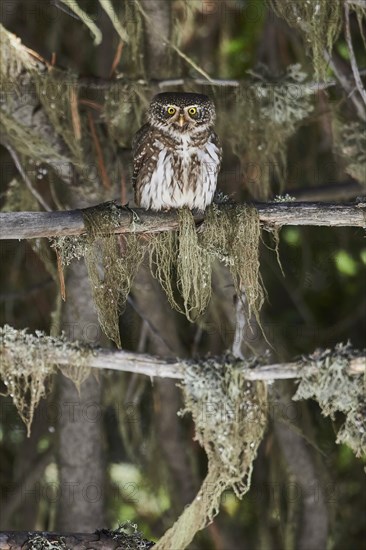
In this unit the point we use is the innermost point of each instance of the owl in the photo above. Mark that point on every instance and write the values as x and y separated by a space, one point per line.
176 154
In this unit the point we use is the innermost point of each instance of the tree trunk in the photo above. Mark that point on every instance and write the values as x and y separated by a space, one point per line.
80 457
158 26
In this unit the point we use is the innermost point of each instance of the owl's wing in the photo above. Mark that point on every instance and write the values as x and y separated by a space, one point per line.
216 141
142 150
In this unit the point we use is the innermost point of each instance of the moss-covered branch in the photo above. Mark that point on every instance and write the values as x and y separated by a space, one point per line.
30 225
103 540
65 354
155 366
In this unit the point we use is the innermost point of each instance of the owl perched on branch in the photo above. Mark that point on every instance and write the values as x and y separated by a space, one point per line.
177 155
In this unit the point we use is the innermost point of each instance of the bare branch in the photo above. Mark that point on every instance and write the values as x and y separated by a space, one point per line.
346 85
355 70
361 3
104 84
241 321
31 225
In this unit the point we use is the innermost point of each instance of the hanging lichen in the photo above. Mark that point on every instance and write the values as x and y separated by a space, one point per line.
350 143
232 235
13 58
264 115
111 263
183 264
19 72
230 418
337 391
23 370
181 261
58 94
27 361
26 141
320 21
123 108
18 198
70 248
229 413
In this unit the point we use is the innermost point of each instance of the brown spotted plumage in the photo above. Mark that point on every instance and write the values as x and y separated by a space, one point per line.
176 154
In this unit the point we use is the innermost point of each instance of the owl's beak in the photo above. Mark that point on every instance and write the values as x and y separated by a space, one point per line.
181 121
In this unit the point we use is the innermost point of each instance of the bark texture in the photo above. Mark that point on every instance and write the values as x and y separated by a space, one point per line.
314 525
158 26
81 504
30 225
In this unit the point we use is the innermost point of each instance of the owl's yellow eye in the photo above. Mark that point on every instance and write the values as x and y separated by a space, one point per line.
192 111
171 111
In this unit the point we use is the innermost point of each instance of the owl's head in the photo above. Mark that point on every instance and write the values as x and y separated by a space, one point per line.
181 112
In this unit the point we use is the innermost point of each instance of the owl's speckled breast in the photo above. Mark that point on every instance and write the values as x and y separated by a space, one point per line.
183 175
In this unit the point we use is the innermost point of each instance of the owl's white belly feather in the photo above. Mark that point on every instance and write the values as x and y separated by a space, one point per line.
186 176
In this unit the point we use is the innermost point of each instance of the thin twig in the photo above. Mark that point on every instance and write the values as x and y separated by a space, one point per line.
354 66
117 58
92 104
360 3
172 45
109 9
61 276
26 180
75 117
101 165
241 321
155 333
343 80
123 189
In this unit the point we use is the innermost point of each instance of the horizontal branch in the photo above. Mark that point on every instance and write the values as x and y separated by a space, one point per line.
150 365
30 225
100 540
105 84
61 352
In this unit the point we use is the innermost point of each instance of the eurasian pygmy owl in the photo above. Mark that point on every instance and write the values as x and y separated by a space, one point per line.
176 154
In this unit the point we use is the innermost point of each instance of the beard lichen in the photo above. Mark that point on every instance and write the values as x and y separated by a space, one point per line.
230 235
270 109
58 95
319 21
111 264
230 418
179 257
27 142
229 413
27 361
181 261
350 143
337 391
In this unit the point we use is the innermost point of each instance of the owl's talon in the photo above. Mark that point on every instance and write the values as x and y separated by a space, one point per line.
135 217
200 226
